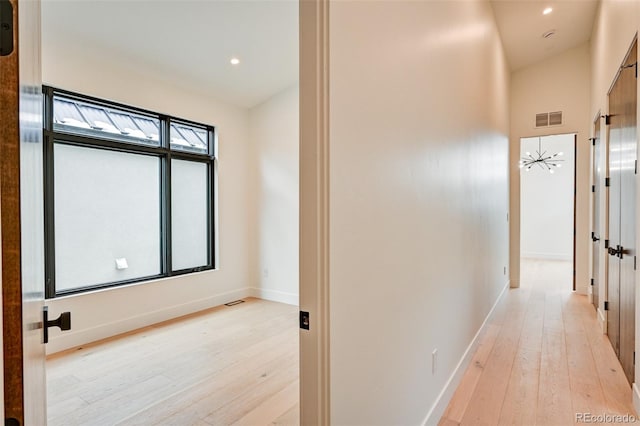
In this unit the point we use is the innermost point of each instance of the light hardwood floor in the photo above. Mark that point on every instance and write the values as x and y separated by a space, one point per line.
233 365
541 360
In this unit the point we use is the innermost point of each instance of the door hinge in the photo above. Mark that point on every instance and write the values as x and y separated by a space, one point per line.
606 305
606 244
633 65
592 281
607 119
607 182
635 263
304 320
593 188
634 357
635 170
593 141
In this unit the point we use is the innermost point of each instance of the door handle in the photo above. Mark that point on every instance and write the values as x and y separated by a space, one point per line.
618 251
63 322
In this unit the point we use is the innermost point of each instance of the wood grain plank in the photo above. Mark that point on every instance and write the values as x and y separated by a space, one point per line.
228 360
463 394
545 365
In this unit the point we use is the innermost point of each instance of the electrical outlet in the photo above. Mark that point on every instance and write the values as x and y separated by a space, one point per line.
434 361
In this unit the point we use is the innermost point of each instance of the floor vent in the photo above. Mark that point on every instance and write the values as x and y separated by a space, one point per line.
545 119
235 302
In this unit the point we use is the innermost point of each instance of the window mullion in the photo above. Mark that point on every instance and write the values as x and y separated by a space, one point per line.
165 198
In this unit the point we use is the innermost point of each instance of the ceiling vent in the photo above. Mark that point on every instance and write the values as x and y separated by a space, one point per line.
549 119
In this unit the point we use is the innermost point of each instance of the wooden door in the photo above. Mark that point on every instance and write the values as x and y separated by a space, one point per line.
595 230
628 107
21 220
613 276
622 252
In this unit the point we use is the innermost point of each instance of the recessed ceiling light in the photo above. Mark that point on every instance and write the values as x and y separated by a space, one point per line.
547 11
235 61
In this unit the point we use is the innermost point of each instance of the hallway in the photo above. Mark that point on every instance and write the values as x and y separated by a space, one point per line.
542 359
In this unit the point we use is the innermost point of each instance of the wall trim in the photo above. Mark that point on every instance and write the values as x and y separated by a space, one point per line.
71 339
276 295
546 256
636 397
439 407
602 321
315 356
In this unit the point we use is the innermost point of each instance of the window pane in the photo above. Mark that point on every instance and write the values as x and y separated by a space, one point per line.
66 113
189 213
104 122
188 138
107 207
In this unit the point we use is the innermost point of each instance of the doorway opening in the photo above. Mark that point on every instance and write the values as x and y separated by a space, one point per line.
547 203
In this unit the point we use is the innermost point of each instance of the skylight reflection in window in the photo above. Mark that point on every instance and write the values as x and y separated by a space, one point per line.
105 122
188 138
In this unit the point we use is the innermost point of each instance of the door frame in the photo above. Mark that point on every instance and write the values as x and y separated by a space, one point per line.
314 212
575 196
596 226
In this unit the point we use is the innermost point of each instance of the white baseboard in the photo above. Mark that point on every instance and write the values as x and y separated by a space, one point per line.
546 256
636 398
602 320
276 296
439 407
72 339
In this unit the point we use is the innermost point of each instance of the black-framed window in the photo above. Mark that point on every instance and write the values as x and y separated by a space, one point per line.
129 194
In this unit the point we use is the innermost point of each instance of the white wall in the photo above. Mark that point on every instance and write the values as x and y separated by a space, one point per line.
546 201
560 83
104 313
418 199
617 23
274 133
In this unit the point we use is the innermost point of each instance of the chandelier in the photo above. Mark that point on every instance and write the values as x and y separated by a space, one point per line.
541 159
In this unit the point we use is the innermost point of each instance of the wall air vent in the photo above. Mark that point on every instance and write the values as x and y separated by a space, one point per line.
555 118
542 120
549 119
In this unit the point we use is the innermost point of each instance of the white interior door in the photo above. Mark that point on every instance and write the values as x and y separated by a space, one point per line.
22 218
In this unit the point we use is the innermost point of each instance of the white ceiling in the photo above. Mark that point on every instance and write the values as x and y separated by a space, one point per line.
521 25
190 42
